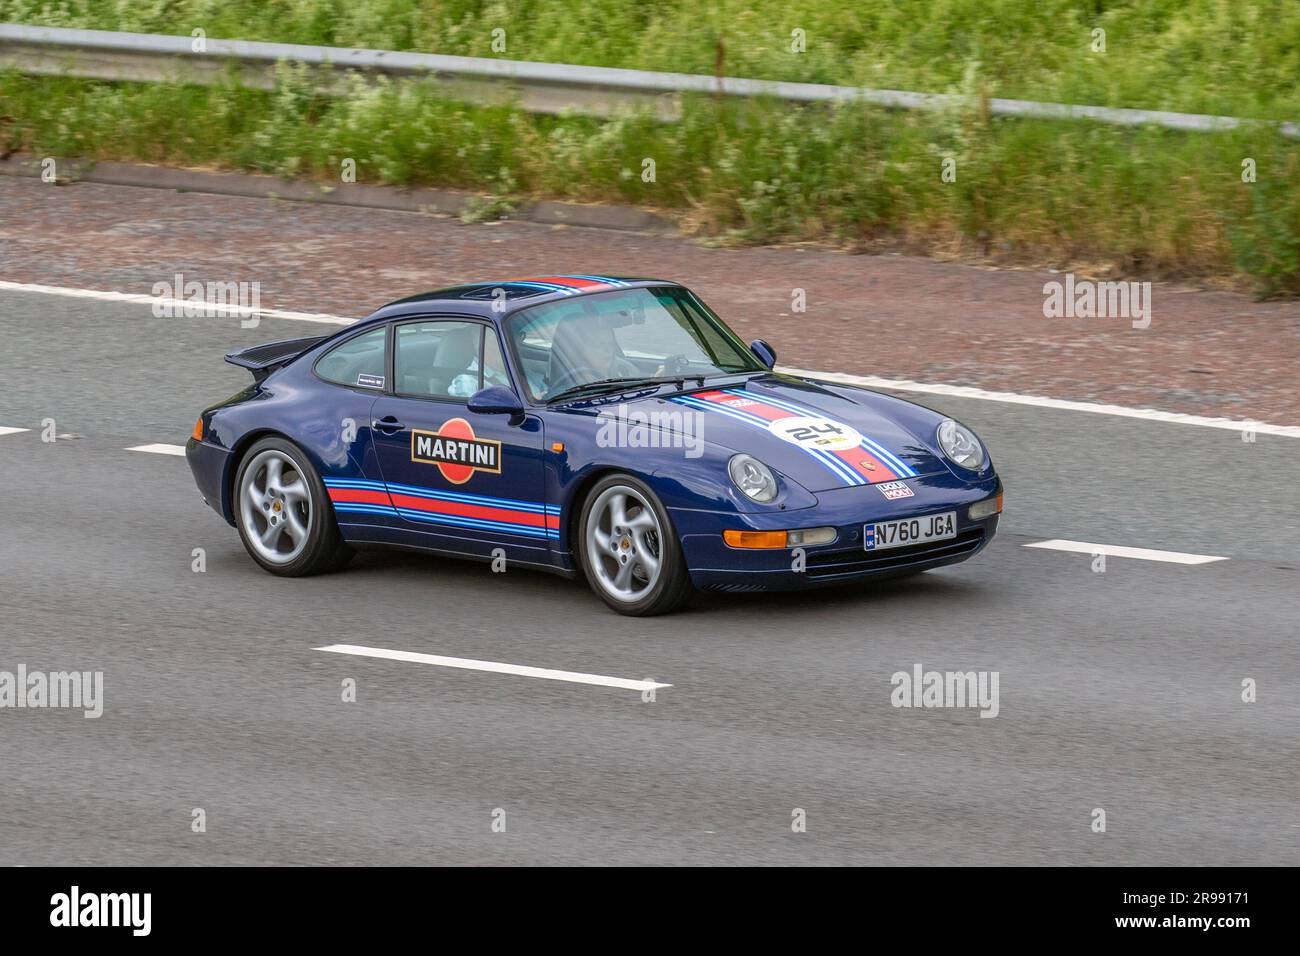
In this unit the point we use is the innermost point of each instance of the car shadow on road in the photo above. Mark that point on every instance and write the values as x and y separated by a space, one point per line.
455 570
895 594
870 594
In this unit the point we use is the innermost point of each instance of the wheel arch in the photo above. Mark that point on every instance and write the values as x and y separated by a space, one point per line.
577 500
235 459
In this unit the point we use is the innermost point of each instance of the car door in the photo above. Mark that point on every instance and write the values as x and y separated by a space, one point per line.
339 425
461 481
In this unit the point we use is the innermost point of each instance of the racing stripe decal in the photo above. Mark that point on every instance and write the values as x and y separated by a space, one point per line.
862 459
479 512
544 286
741 410
873 448
603 280
575 282
568 284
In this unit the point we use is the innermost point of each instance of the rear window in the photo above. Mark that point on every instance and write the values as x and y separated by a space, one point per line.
358 361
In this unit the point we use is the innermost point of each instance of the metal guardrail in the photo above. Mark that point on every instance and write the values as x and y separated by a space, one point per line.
537 87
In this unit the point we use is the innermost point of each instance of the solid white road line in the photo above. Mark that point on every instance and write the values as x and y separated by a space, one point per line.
10 430
492 667
1119 551
866 381
161 449
240 311
1038 401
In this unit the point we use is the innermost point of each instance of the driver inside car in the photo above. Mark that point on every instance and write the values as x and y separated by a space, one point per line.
459 353
466 383
585 351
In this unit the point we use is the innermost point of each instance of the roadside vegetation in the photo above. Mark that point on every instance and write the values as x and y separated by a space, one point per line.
1239 57
1071 194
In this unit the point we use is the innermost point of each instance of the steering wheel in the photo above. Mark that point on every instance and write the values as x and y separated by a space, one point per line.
574 376
676 364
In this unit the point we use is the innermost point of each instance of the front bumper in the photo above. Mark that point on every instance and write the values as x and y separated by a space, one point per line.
715 566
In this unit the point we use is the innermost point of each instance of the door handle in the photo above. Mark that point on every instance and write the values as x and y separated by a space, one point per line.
388 424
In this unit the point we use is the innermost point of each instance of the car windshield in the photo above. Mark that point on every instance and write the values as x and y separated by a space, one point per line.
628 335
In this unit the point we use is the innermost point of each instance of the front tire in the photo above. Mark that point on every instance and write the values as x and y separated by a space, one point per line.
283 511
629 550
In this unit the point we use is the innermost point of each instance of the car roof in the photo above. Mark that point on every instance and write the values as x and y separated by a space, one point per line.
479 298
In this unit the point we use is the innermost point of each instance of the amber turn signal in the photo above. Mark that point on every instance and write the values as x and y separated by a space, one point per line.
754 539
197 434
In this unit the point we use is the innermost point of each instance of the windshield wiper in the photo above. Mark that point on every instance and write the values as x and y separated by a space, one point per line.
615 385
701 379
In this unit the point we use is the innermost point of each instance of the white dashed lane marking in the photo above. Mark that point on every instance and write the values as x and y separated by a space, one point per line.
1119 551
178 450
493 667
10 430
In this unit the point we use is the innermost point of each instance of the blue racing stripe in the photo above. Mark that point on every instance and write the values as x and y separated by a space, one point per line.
548 286
475 523
358 483
438 494
514 504
836 466
367 509
605 279
833 462
480 524
903 469
888 457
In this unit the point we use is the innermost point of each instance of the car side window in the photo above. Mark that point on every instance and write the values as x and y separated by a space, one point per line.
358 361
438 359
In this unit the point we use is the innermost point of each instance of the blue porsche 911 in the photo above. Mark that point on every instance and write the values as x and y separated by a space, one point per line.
609 427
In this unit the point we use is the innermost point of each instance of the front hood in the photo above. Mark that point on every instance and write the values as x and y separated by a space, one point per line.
819 438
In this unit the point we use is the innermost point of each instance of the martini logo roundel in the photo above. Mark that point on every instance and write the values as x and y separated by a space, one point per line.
816 434
455 450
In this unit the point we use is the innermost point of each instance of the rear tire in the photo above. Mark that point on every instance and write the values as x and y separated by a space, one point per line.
629 550
283 512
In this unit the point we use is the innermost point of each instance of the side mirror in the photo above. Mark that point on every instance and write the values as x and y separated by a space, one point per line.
766 354
496 400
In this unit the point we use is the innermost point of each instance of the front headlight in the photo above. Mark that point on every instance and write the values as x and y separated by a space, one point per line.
752 477
960 445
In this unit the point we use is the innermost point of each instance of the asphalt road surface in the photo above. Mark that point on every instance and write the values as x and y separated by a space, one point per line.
1119 690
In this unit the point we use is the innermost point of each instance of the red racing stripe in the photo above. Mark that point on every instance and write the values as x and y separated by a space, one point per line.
459 509
359 496
859 459
866 464
568 281
752 405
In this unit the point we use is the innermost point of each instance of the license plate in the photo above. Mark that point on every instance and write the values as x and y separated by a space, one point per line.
907 531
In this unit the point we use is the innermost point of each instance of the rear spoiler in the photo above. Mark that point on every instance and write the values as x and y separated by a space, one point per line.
262 360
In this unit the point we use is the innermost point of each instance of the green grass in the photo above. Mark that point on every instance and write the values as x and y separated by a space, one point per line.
1131 201
1071 194
1240 57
